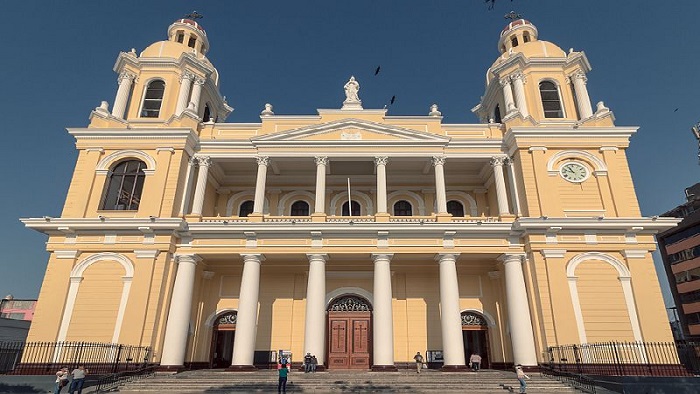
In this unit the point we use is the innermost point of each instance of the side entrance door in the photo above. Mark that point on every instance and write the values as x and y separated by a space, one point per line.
349 341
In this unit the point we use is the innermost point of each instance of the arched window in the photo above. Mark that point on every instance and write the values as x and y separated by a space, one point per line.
497 114
207 113
526 37
153 99
455 208
514 41
246 209
192 41
180 36
124 186
550 100
300 208
403 208
355 209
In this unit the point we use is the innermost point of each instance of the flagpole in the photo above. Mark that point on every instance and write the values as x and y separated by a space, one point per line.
349 199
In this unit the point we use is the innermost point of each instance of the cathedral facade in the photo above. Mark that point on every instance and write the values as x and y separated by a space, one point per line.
219 244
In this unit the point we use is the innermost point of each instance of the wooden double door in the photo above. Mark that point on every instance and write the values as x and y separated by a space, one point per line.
349 340
476 341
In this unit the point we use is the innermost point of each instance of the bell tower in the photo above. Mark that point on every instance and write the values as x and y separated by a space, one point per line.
168 80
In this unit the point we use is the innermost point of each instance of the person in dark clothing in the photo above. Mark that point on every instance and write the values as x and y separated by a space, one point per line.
314 363
282 384
307 363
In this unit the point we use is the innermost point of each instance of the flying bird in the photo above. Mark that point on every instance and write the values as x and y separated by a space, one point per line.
393 98
377 70
675 110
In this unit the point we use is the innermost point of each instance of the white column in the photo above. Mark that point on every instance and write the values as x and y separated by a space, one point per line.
259 202
380 162
582 99
185 85
501 194
513 185
519 86
519 320
126 79
315 324
320 205
441 192
198 203
191 164
383 318
197 93
450 319
246 326
507 95
178 325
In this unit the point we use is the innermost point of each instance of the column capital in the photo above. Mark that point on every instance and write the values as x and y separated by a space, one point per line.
204 161
253 257
263 160
126 76
186 76
381 160
382 256
504 81
508 161
438 160
518 75
192 161
207 275
321 160
444 257
199 81
507 258
580 75
497 161
187 258
317 256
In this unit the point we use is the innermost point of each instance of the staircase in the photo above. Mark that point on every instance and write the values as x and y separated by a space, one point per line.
404 381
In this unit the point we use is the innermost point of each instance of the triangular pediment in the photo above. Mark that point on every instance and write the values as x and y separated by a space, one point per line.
349 131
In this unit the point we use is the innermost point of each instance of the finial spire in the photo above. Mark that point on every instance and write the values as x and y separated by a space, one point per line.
512 16
194 15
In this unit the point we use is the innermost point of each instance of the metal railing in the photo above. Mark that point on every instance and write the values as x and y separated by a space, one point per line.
626 358
576 380
38 358
114 380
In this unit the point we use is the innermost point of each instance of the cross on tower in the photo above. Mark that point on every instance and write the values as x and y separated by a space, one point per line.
512 16
194 15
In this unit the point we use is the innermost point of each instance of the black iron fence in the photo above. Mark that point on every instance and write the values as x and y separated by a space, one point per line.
39 358
627 358
111 381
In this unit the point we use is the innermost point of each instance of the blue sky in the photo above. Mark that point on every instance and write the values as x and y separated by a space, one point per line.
58 56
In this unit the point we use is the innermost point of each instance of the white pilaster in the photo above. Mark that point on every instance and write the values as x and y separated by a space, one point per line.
513 185
450 319
519 87
441 192
185 86
197 93
191 164
380 162
501 194
259 202
320 205
519 320
507 95
383 318
177 329
315 324
204 163
126 79
582 99
246 326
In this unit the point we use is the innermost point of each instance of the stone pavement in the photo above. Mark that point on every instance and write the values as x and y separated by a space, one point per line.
404 381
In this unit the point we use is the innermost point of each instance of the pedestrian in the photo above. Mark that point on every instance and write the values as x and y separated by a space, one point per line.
521 378
314 363
61 380
419 361
307 363
475 361
78 380
282 384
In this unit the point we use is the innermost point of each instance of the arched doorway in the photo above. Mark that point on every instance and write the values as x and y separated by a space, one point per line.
222 340
475 334
349 333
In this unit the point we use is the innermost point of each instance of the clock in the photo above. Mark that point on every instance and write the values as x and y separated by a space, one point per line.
574 172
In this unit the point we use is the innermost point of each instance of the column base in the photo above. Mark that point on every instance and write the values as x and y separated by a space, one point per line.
384 368
454 368
443 217
241 368
255 217
170 368
318 217
382 217
193 218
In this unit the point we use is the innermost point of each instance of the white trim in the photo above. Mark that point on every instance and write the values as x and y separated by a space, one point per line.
239 195
146 254
489 319
465 198
624 277
122 307
103 166
366 205
349 290
145 86
296 196
392 199
553 253
635 253
600 168
66 254
209 322
561 101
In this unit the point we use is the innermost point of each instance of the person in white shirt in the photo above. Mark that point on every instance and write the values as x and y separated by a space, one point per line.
78 379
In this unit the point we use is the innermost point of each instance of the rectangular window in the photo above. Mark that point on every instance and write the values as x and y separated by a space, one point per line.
180 37
191 42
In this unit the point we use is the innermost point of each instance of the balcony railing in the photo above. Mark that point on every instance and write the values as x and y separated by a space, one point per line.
350 219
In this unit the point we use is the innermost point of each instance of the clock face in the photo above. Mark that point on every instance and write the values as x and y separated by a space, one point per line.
574 172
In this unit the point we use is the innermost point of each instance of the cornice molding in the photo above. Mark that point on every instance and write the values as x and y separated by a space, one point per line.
56 226
642 225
